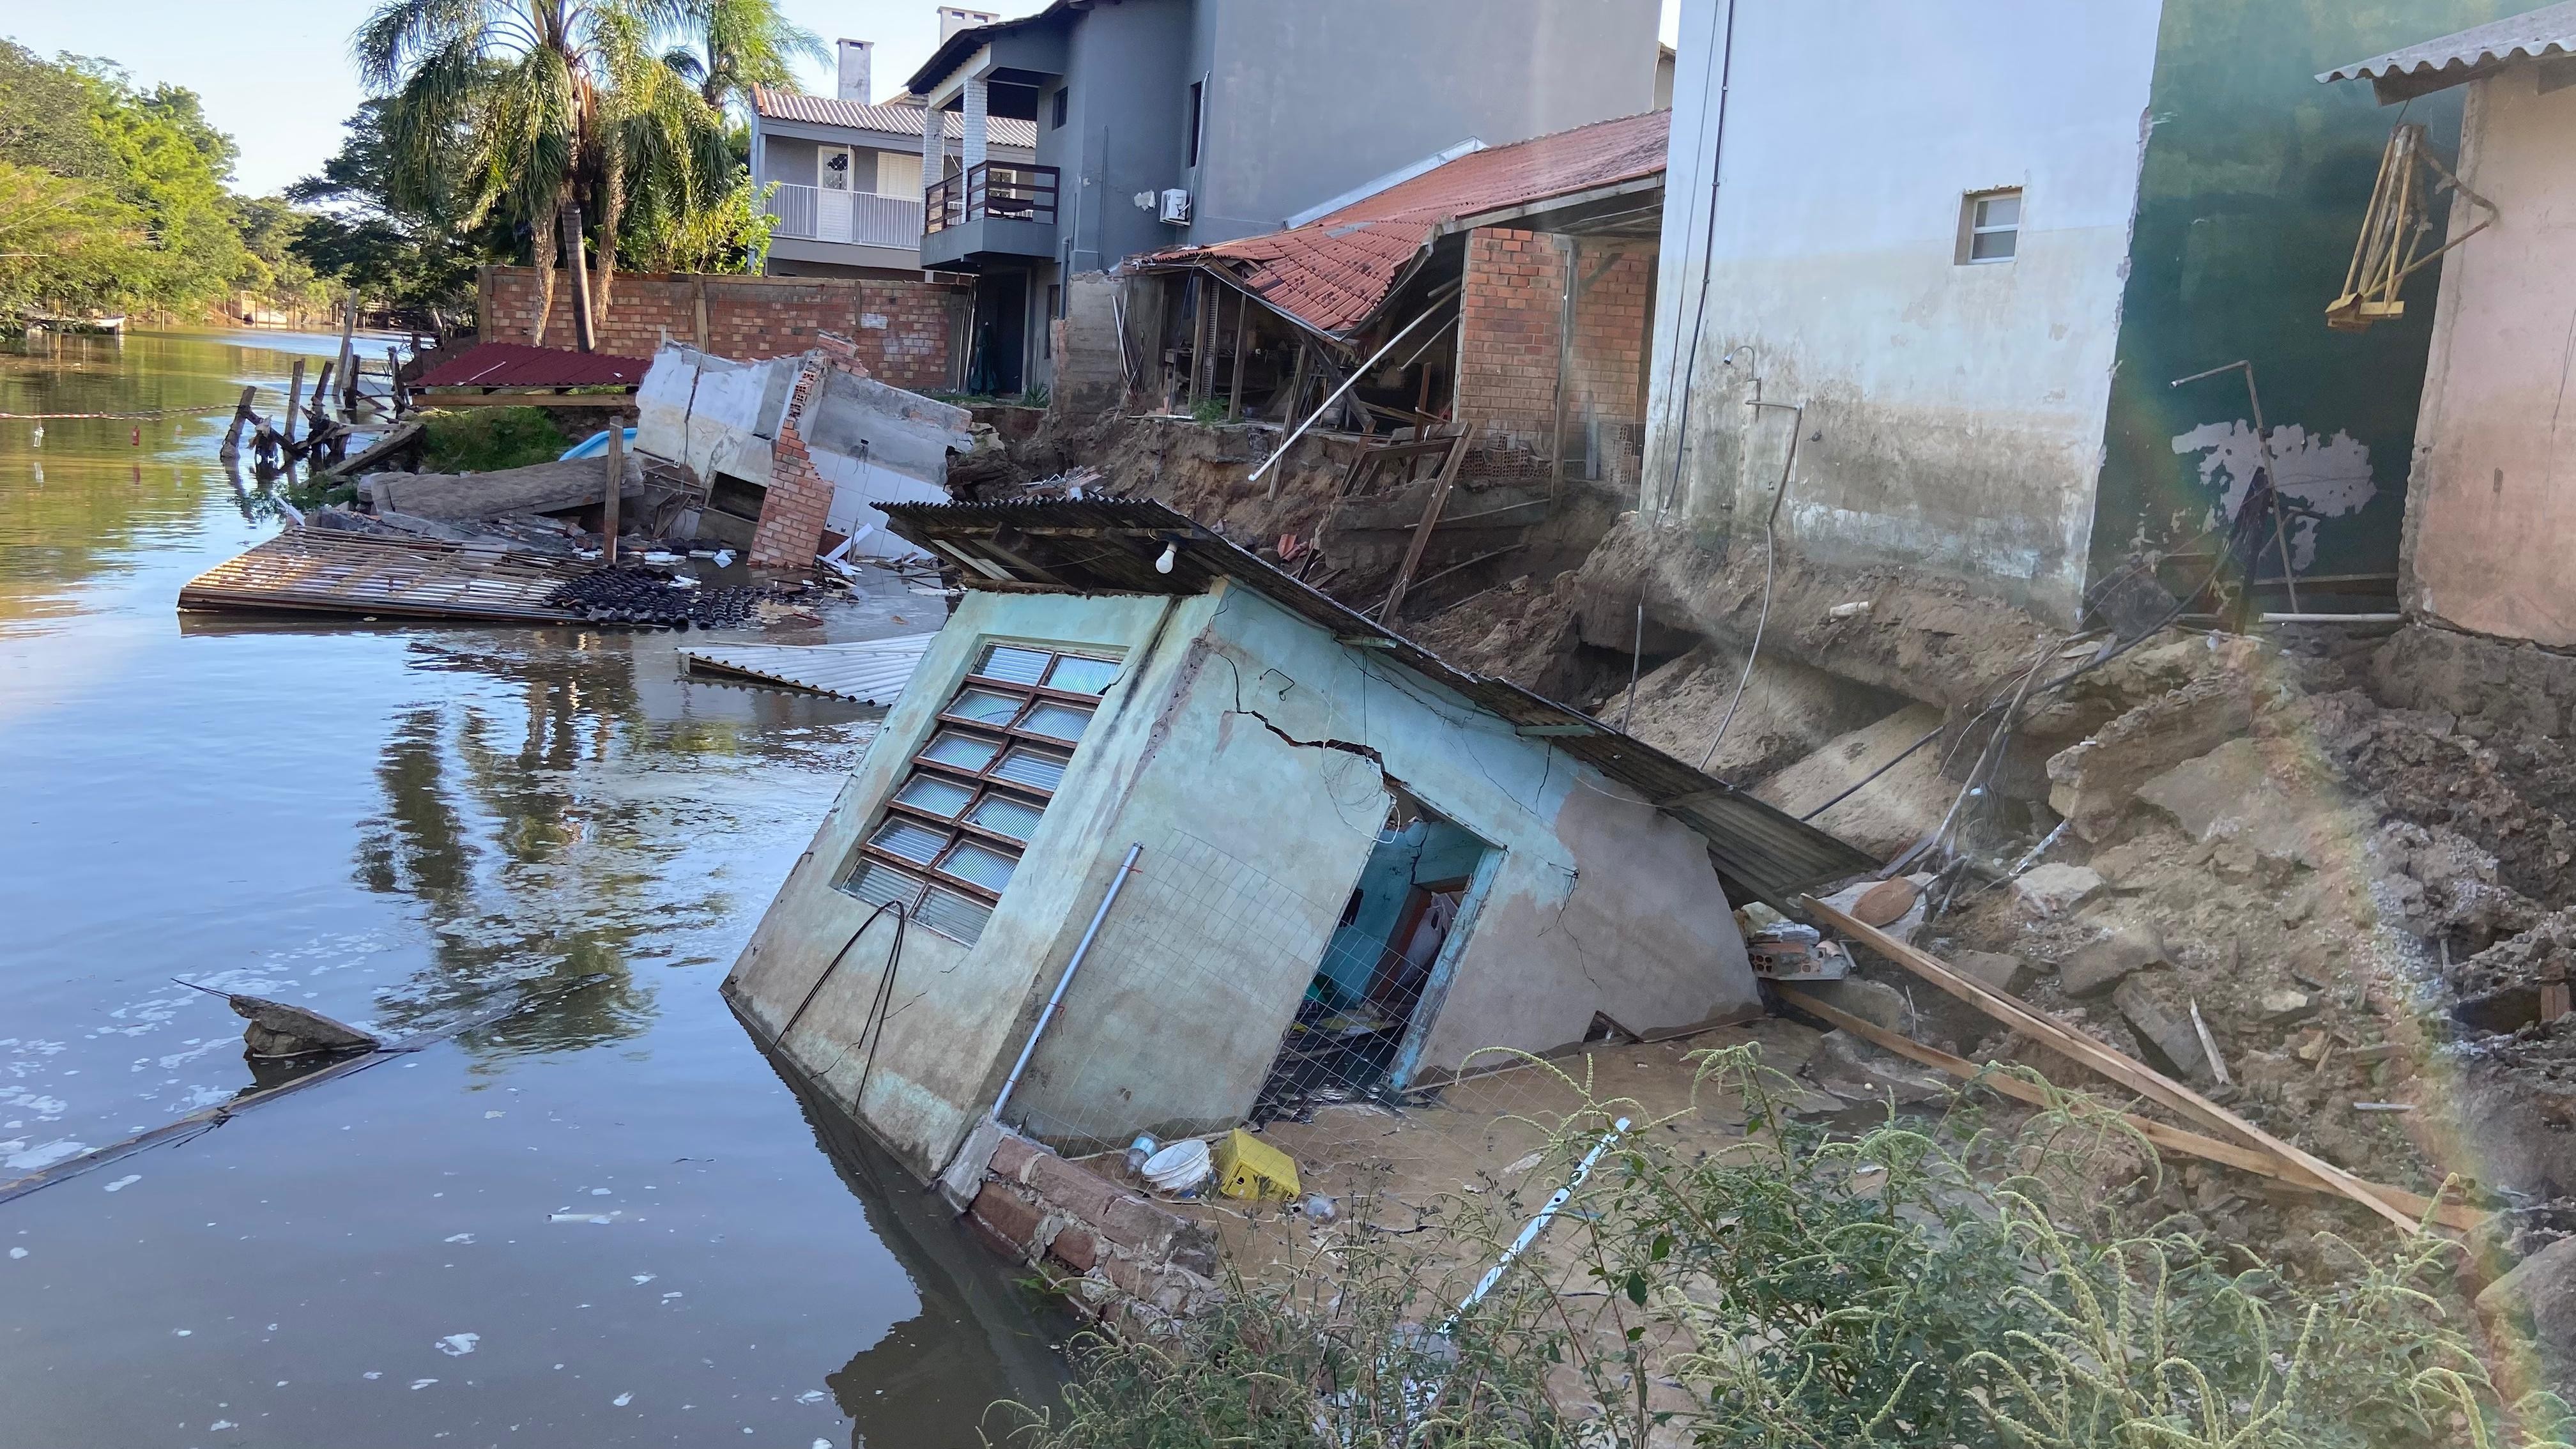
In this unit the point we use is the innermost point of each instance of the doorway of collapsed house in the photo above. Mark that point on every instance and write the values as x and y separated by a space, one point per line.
1367 1014
999 344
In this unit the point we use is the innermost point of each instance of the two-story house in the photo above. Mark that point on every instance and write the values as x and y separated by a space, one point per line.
1161 123
843 173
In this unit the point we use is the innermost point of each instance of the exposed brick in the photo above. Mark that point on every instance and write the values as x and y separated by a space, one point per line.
1012 1158
1076 1248
1071 1190
999 1209
1135 1223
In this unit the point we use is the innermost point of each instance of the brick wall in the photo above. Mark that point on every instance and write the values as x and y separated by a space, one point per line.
1514 311
901 327
1110 1248
799 500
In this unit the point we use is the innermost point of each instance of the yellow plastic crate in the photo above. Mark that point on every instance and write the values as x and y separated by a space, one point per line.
1247 1167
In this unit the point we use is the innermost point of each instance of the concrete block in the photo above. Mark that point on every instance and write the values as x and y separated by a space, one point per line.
2092 783
2103 964
2053 890
1875 1002
1135 1223
1194 1249
2159 1009
1993 970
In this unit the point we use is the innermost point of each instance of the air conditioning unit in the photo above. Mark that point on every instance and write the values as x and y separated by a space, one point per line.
1176 207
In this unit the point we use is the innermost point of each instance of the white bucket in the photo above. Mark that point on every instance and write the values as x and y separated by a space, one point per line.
1179 1168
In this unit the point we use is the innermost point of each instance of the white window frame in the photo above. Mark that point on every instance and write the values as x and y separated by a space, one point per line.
849 167
877 871
1970 230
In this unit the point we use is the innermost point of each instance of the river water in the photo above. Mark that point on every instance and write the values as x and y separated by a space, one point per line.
598 1218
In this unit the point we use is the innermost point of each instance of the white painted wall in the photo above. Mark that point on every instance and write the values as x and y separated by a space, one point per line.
2491 510
1954 413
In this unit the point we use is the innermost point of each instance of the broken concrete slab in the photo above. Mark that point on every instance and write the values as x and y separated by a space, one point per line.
2158 1008
2535 1305
1875 1002
537 488
2053 890
2284 1007
1993 970
1849 1067
279 1030
1890 813
2228 794
2092 782
2100 965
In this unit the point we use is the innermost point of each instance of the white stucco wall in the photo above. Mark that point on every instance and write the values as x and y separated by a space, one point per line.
1954 412
2491 511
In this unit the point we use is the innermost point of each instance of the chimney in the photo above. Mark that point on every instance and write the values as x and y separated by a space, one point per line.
952 19
854 70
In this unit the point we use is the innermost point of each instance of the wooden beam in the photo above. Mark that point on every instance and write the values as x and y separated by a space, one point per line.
294 400
615 485
1242 329
1422 531
2085 1051
2164 1136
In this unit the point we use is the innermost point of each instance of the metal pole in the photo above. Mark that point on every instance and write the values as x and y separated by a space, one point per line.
1347 384
1090 932
1537 1225
616 488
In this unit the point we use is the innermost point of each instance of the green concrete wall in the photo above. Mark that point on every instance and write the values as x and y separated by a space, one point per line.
2254 184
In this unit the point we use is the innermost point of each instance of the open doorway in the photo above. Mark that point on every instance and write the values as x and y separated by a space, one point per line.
1001 333
1369 1008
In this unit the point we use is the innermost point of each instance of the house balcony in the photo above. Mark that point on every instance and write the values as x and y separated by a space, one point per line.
850 228
995 209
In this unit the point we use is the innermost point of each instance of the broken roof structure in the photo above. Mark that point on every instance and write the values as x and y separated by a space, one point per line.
1292 856
2480 51
1334 274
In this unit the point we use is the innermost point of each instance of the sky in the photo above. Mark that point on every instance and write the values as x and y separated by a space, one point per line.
277 75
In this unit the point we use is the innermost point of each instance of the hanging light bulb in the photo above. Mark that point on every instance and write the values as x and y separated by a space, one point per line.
1171 554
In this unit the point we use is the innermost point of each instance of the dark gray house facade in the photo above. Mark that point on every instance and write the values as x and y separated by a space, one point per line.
1170 122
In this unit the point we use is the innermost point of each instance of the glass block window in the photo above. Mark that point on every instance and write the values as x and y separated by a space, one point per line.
952 834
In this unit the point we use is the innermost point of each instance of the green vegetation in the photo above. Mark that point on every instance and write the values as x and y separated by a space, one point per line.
478 440
112 198
1924 1283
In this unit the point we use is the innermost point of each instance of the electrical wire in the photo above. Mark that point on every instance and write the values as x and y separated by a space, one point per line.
1688 363
1770 527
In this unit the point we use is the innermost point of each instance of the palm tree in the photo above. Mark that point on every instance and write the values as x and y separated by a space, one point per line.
556 113
741 44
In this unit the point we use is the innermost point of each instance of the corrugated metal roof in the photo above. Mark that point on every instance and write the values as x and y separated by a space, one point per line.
871 672
2482 50
1333 273
893 118
1110 545
516 364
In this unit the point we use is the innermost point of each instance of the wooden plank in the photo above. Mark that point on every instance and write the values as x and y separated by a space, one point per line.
2164 1136
611 488
1422 531
2085 1051
318 571
1234 390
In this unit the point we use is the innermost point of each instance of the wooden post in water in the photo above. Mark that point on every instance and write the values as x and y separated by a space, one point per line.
393 382
348 338
294 398
232 435
616 487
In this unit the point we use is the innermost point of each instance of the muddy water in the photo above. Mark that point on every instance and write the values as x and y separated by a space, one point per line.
599 1217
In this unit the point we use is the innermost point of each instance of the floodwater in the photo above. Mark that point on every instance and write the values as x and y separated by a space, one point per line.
595 1216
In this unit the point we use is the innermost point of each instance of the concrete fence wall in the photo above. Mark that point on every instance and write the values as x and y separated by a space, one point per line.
902 328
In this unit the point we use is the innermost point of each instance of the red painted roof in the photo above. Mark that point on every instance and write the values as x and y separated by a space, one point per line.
516 364
1334 273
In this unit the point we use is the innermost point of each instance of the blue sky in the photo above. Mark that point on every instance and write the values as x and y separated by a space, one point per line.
277 74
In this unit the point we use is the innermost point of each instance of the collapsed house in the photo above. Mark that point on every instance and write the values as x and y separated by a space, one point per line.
1290 854
796 453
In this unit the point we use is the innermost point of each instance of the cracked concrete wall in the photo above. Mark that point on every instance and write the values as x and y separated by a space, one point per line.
1954 412
959 1012
1273 756
1248 752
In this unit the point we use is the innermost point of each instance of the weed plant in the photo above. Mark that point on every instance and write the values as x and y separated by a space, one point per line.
1927 1281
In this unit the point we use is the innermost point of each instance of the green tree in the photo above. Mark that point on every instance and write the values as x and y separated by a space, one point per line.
739 44
411 252
554 114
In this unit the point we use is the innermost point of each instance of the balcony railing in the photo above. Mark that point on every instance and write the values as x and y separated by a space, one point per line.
995 189
814 214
